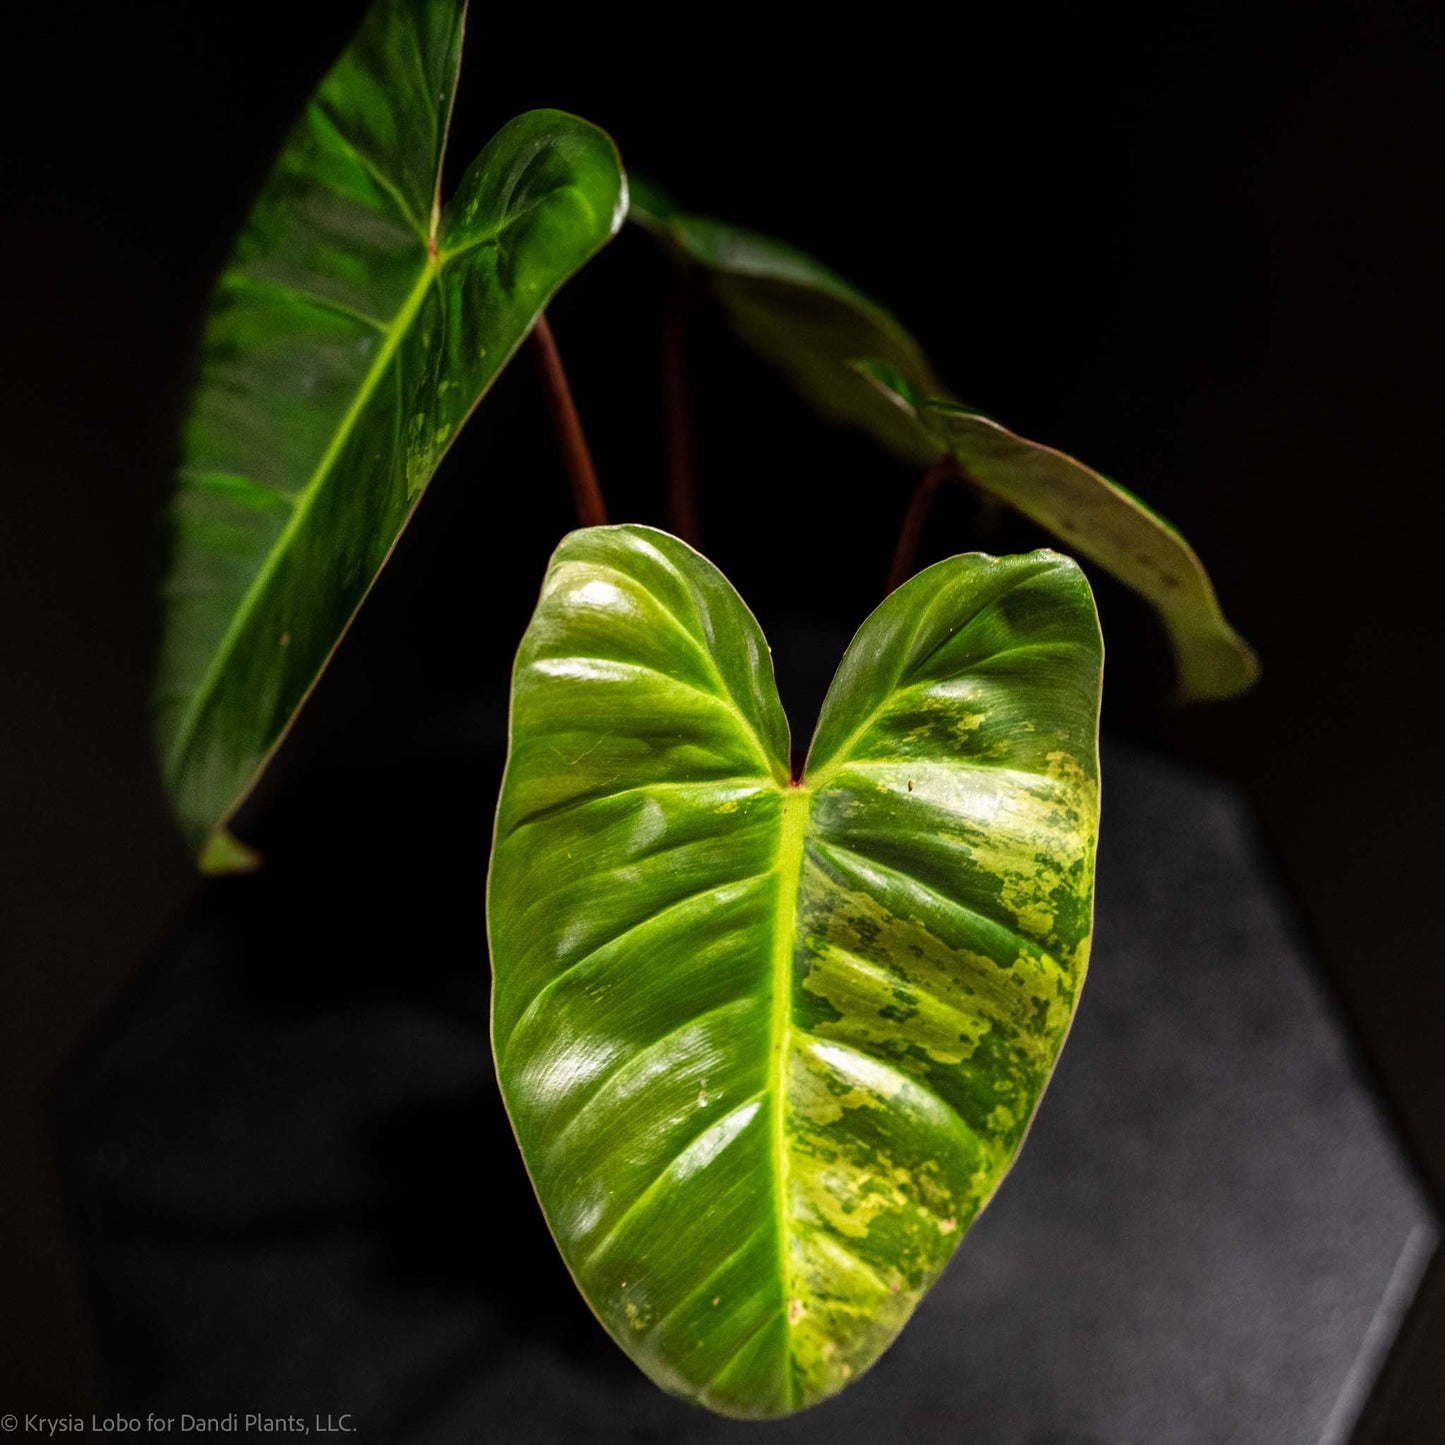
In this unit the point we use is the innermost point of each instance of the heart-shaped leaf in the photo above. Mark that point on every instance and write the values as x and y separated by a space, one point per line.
356 326
770 1046
831 341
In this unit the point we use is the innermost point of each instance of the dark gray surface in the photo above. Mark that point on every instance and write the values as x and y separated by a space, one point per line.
296 1189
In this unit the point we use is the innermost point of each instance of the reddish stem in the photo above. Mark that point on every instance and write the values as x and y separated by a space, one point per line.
905 554
677 411
581 475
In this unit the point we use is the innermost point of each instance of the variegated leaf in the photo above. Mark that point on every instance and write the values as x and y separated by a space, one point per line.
769 1045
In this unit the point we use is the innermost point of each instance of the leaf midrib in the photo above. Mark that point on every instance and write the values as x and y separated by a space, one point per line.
434 263
792 838
395 334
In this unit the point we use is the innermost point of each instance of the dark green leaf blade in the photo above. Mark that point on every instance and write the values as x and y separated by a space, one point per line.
805 319
769 1047
355 328
830 340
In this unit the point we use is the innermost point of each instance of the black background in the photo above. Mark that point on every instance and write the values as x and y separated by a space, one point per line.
1202 251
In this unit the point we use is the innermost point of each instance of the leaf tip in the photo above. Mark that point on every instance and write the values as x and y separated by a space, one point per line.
1224 668
223 853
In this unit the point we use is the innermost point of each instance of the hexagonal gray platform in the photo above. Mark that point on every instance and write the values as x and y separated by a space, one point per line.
297 1196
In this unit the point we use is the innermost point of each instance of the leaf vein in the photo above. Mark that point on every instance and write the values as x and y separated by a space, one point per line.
703 1285
894 979
392 189
724 700
631 1063
907 1080
657 1181
747 1340
572 805
249 281
652 918
830 846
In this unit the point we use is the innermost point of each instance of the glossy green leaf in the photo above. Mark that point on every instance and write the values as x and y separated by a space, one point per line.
357 324
857 365
770 1047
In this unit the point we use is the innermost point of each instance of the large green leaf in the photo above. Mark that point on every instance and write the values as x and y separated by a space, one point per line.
769 1046
857 365
356 326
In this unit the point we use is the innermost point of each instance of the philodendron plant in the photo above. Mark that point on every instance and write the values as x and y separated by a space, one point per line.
769 1040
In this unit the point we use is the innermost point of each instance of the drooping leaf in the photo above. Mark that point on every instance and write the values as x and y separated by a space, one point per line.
357 324
857 365
1100 519
769 1047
